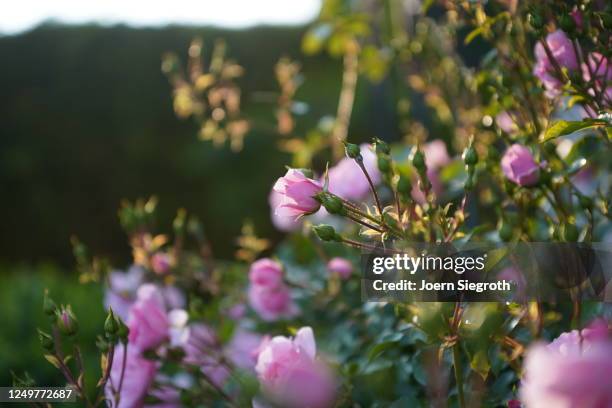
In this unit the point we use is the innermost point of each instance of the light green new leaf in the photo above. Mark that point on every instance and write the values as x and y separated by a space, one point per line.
564 127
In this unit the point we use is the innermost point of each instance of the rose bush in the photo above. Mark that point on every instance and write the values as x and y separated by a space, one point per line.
492 151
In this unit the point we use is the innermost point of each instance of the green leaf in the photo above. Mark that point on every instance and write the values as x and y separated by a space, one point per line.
480 363
564 127
380 348
53 360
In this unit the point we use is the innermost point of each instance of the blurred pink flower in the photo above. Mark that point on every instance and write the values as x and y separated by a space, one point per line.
577 17
575 370
147 321
166 395
161 262
200 345
241 350
504 121
340 266
297 194
138 376
291 375
562 50
122 287
519 166
436 157
596 69
266 272
121 291
272 303
346 179
268 295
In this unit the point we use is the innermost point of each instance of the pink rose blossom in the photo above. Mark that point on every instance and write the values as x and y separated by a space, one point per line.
147 321
281 222
291 375
268 295
562 50
266 272
138 376
346 179
519 166
272 303
340 266
297 192
575 370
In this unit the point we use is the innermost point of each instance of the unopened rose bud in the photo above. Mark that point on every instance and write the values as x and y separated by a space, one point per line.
332 204
470 156
326 232
110 324
49 306
123 331
46 340
418 161
384 164
404 187
353 151
66 322
570 232
381 146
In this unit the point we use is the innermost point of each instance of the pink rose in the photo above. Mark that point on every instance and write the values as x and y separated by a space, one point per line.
281 222
266 272
297 192
562 50
268 295
291 375
161 262
436 157
138 376
519 166
272 303
346 179
340 266
575 370
147 320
